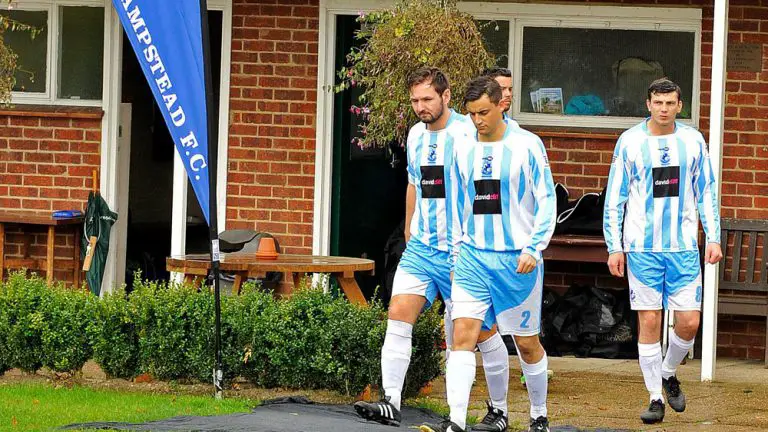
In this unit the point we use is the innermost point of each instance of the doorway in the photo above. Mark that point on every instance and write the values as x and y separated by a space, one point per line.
151 185
368 185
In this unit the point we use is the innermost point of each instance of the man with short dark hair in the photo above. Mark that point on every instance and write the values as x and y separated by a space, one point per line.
662 178
508 219
432 231
503 77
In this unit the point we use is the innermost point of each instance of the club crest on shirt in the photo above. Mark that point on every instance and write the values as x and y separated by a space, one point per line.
487 166
665 155
432 156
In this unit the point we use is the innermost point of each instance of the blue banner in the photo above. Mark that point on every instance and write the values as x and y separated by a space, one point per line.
167 39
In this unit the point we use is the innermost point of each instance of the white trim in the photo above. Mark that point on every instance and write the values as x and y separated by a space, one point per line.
716 116
52 53
112 91
321 225
226 70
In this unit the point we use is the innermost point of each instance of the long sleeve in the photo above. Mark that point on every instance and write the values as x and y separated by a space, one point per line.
545 209
463 203
616 196
705 191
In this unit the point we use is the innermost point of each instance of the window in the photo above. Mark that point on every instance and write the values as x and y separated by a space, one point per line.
601 72
589 65
63 63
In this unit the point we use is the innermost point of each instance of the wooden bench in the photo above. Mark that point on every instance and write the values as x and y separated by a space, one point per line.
747 295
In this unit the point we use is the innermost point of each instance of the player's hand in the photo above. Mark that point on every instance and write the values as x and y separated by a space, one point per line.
526 263
616 264
713 254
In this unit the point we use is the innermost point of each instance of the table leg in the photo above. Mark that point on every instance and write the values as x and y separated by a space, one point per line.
237 284
298 278
349 285
2 250
76 258
49 261
189 279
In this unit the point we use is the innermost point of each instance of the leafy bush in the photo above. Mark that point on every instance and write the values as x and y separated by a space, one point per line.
24 338
311 340
5 330
113 336
64 315
399 40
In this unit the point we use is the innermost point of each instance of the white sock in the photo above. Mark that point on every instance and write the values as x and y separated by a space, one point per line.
676 352
458 382
650 364
496 367
395 358
536 382
448 332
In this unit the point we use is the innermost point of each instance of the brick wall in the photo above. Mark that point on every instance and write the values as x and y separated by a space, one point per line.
272 119
46 164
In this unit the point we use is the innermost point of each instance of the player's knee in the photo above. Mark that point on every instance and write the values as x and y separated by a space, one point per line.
465 335
403 309
650 321
686 327
529 348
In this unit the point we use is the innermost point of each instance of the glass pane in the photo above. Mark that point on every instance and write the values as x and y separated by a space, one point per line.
496 36
32 50
81 52
602 71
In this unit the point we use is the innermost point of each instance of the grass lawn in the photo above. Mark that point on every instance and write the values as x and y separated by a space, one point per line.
40 407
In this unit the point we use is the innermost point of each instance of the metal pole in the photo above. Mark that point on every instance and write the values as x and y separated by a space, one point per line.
213 134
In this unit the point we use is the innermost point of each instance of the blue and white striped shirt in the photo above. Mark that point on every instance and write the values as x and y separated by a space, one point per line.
665 182
436 219
510 196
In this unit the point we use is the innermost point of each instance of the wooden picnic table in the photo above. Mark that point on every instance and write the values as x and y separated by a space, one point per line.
44 218
579 248
294 268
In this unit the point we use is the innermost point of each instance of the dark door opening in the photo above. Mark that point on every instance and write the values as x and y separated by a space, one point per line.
150 188
368 184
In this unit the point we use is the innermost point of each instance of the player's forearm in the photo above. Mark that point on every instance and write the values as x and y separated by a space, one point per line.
410 206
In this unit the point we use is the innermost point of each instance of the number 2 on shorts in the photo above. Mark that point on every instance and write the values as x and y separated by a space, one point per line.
526 317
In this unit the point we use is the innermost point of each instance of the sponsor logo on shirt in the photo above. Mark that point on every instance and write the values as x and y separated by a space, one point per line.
433 182
666 182
487 197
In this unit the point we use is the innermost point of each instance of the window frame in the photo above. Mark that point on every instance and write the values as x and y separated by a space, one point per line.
52 55
648 18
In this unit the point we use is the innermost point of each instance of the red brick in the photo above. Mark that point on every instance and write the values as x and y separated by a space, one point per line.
22 191
271 155
54 146
25 121
286 192
38 157
269 179
285 168
36 204
10 203
291 47
61 169
54 193
272 203
21 168
66 158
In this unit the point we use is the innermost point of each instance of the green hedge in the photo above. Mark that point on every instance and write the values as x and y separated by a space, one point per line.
310 341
